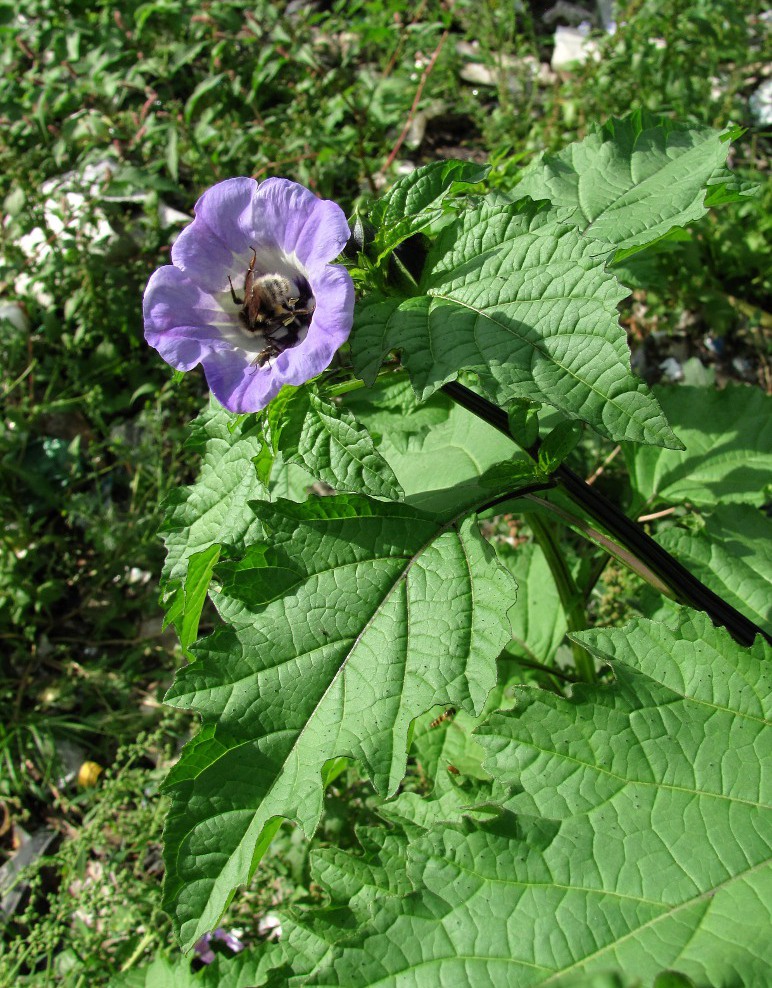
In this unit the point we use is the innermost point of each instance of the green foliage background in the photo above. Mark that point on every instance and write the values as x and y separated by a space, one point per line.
162 99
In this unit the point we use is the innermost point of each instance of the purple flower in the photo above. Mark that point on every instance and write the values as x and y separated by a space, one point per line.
204 949
251 294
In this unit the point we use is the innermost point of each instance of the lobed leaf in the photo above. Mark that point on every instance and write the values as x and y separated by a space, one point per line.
524 301
214 509
651 855
358 617
728 449
328 442
417 200
634 180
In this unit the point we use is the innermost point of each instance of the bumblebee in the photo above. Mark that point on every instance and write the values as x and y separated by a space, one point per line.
271 303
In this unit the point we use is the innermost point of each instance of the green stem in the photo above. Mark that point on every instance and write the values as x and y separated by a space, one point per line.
138 951
609 546
683 585
354 384
570 597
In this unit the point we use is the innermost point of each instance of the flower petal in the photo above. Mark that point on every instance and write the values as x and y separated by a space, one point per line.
238 384
191 318
330 325
314 230
183 322
223 227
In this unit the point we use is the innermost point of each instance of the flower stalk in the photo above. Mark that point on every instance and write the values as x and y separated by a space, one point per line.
685 587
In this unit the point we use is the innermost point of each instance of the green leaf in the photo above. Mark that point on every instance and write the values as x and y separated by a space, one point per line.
358 617
197 580
259 965
671 979
214 510
204 87
162 973
728 454
524 422
363 880
732 555
633 180
522 300
419 199
538 619
289 480
558 444
650 853
328 442
438 450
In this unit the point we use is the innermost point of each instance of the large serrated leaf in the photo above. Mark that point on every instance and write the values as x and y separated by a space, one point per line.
367 878
728 454
358 617
437 450
652 853
214 510
733 556
524 301
328 442
416 201
633 181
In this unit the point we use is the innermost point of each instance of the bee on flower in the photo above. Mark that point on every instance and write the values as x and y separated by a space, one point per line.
251 294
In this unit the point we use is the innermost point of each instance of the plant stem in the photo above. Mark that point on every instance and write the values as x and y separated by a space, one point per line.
686 588
608 545
570 597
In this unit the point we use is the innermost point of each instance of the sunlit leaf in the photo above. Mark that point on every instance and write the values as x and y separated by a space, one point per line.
358 617
524 301
437 452
728 454
732 555
650 852
214 510
417 199
634 180
328 442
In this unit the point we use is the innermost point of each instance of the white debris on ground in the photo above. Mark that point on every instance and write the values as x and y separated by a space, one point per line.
573 46
760 104
73 212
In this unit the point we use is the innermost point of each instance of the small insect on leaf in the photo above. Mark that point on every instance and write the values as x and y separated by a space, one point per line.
448 715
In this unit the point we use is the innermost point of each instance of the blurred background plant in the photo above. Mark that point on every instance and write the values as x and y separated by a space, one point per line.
113 119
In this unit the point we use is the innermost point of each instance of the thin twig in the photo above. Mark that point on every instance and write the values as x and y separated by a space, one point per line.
655 514
424 77
594 476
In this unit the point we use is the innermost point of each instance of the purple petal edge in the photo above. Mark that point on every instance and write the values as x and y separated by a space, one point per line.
189 317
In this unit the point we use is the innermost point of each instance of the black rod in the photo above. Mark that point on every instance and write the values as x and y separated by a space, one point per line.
686 587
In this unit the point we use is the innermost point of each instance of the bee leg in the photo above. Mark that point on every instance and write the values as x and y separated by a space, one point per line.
234 296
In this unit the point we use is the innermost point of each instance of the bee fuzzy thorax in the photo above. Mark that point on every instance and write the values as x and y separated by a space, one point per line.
275 308
275 292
